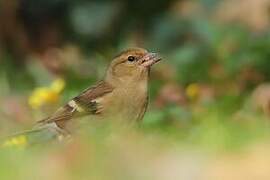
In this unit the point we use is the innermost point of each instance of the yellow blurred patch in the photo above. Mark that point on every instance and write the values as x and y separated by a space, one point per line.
46 95
58 85
192 91
19 141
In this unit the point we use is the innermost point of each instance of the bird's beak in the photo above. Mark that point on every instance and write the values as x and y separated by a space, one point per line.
149 59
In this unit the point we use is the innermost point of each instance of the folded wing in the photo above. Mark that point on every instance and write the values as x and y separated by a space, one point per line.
84 104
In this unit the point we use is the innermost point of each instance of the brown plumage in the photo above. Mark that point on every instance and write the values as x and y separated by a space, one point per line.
122 95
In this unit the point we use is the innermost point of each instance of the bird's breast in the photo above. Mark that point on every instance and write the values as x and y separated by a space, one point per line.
127 103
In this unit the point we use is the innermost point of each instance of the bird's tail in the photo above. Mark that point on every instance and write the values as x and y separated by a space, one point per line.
27 138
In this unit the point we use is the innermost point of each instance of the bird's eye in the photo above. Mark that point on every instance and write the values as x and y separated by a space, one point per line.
131 58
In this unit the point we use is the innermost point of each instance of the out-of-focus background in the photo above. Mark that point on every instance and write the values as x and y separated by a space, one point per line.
209 112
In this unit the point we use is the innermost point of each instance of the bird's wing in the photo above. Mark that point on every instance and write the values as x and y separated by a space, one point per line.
85 103
87 100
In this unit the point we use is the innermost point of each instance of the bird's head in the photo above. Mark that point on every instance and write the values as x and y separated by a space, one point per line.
131 65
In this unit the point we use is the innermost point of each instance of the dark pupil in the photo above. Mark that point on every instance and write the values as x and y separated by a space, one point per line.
131 58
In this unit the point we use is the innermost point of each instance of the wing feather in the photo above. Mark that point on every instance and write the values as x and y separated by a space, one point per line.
82 104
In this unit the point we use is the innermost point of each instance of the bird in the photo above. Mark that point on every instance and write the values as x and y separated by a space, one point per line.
122 95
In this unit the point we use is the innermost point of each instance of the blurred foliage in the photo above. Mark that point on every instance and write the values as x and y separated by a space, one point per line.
210 92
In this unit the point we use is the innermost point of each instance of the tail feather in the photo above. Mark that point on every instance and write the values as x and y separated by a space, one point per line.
31 137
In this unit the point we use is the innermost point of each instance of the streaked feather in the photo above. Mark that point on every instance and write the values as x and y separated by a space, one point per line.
82 104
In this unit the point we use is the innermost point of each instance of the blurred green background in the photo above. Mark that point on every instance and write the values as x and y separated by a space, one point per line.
209 109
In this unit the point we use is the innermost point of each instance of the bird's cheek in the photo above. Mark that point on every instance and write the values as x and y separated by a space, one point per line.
124 71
